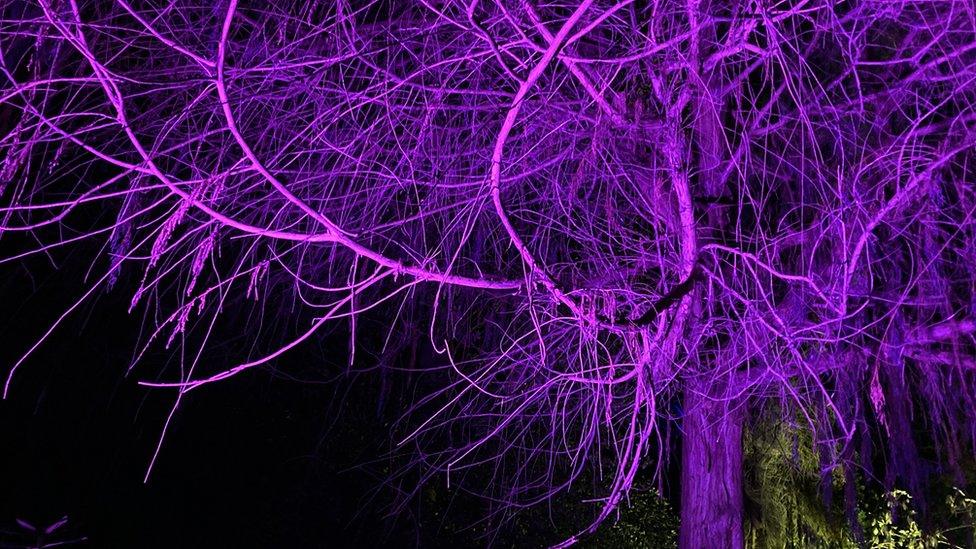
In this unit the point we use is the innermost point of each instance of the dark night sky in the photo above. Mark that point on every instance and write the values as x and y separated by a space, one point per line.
254 462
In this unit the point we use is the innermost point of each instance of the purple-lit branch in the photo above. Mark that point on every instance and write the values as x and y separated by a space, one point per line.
607 205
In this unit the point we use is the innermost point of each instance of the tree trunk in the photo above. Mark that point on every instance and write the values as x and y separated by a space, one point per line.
711 473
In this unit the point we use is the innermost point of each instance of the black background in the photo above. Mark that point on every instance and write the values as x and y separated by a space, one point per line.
256 461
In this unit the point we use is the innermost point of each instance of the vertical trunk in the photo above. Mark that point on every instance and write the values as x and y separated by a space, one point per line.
711 474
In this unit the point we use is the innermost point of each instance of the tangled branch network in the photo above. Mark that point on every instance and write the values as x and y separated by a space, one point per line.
596 206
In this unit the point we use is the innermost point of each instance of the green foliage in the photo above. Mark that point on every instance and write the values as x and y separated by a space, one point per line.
648 522
884 532
963 506
782 489
785 508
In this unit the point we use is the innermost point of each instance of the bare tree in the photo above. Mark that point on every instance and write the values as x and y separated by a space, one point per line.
604 208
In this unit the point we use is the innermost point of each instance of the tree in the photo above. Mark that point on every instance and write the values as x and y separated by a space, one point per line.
616 220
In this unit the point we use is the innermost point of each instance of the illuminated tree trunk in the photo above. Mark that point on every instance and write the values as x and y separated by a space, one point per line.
711 474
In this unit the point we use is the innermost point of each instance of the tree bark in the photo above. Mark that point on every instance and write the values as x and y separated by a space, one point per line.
711 473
